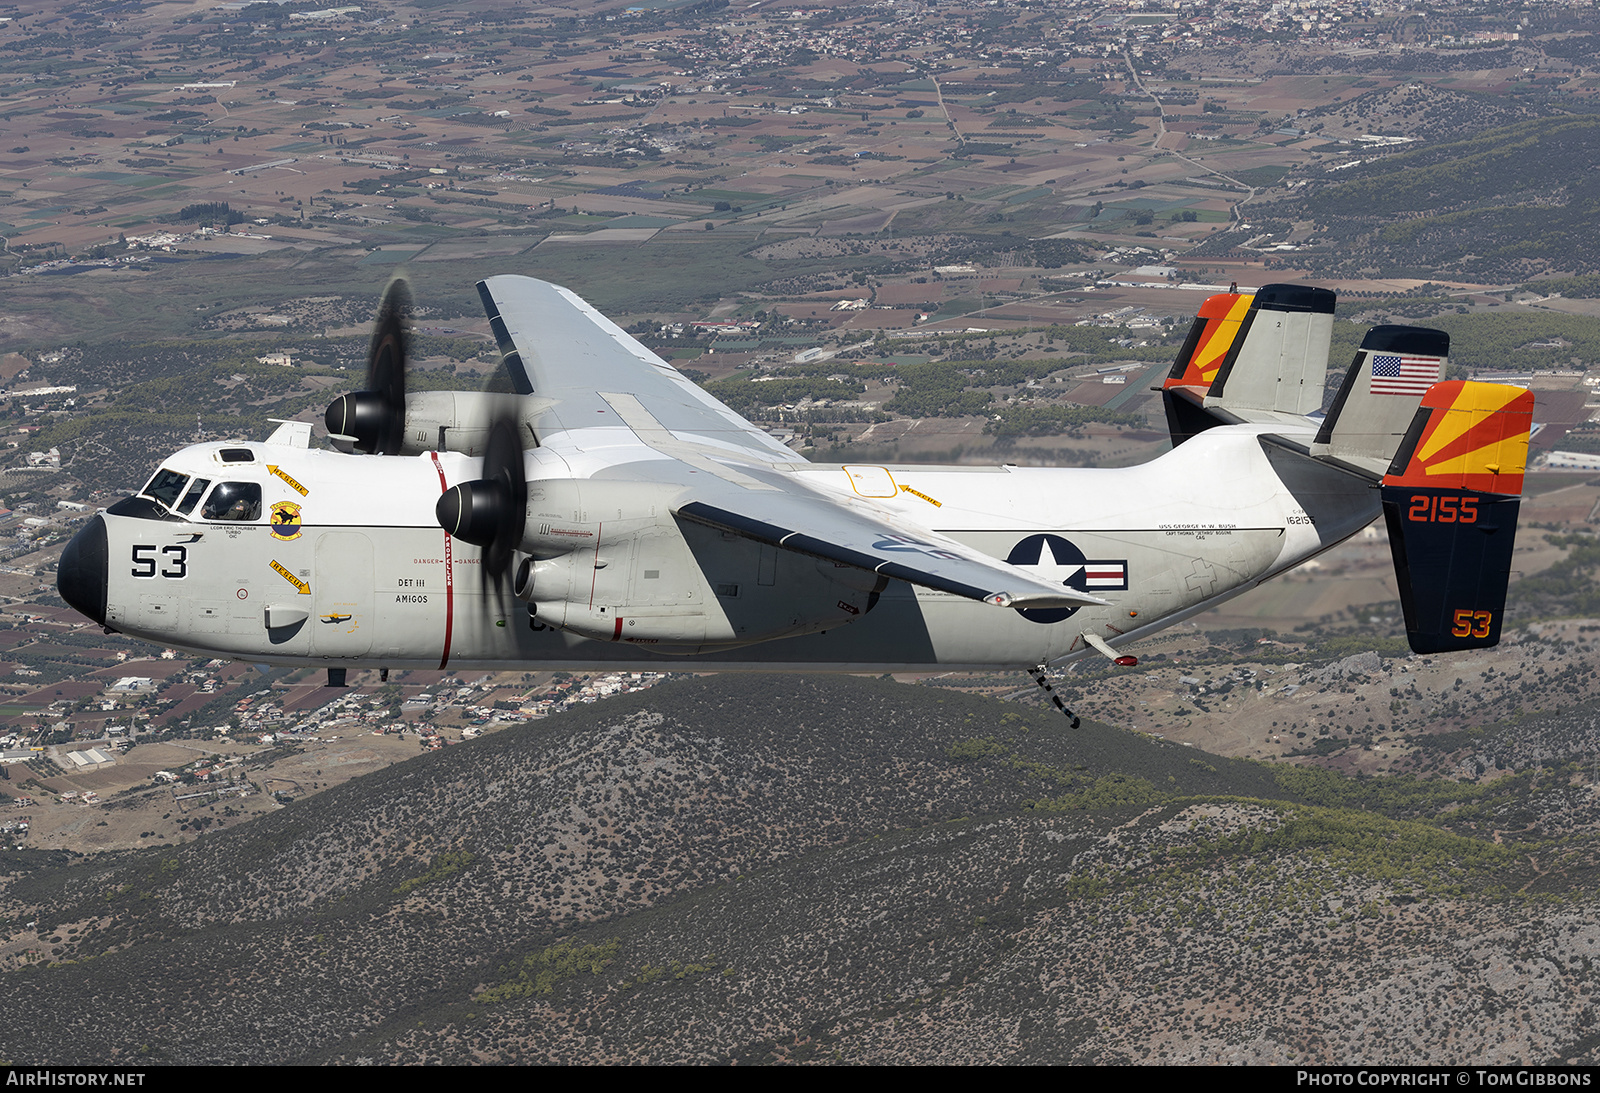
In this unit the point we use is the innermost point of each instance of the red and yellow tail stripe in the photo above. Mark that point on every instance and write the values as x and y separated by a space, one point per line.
1221 315
1474 437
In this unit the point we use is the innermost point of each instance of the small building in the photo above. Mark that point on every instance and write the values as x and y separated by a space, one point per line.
89 758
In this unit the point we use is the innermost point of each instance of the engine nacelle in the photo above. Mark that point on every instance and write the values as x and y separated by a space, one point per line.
443 421
450 421
609 561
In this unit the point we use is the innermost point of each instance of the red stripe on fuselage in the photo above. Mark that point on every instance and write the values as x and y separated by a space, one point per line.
449 576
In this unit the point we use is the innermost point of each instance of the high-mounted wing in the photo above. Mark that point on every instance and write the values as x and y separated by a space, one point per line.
610 396
558 347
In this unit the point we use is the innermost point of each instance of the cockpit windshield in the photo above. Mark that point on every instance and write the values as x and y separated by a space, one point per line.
166 487
196 488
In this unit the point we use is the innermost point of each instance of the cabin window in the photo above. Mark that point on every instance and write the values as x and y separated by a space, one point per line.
166 487
233 501
237 455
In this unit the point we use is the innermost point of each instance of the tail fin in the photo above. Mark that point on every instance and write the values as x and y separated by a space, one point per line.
1374 406
1279 360
1210 337
1450 500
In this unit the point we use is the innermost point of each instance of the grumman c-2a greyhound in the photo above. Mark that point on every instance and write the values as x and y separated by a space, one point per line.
609 512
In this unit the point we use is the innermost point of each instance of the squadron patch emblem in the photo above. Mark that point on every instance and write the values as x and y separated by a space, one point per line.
286 521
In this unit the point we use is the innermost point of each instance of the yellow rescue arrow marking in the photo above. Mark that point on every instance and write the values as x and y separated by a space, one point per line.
273 468
925 497
305 589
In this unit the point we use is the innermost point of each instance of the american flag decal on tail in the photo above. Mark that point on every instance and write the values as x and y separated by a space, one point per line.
1393 374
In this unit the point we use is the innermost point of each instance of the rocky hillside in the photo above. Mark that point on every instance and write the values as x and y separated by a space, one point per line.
768 868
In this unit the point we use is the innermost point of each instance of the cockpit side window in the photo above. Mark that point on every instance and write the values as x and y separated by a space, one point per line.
196 488
233 501
165 487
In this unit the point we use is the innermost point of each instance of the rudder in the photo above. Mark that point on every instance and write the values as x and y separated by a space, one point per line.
1211 336
1451 500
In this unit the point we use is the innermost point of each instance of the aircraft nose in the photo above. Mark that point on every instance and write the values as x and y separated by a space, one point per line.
81 578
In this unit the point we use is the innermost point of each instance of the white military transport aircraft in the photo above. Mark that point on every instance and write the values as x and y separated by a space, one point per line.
609 512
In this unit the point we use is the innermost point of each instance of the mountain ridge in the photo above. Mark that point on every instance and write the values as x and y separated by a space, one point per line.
768 868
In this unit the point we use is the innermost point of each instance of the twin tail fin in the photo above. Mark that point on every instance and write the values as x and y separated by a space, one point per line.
1259 357
1450 500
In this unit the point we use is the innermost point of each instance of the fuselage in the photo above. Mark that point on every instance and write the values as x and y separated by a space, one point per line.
324 558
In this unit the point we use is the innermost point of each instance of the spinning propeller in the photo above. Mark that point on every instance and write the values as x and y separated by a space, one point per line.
487 512
374 420
490 511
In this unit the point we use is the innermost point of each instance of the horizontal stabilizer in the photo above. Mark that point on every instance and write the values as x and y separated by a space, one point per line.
1450 501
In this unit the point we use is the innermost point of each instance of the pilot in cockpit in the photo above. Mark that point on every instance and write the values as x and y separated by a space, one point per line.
233 501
